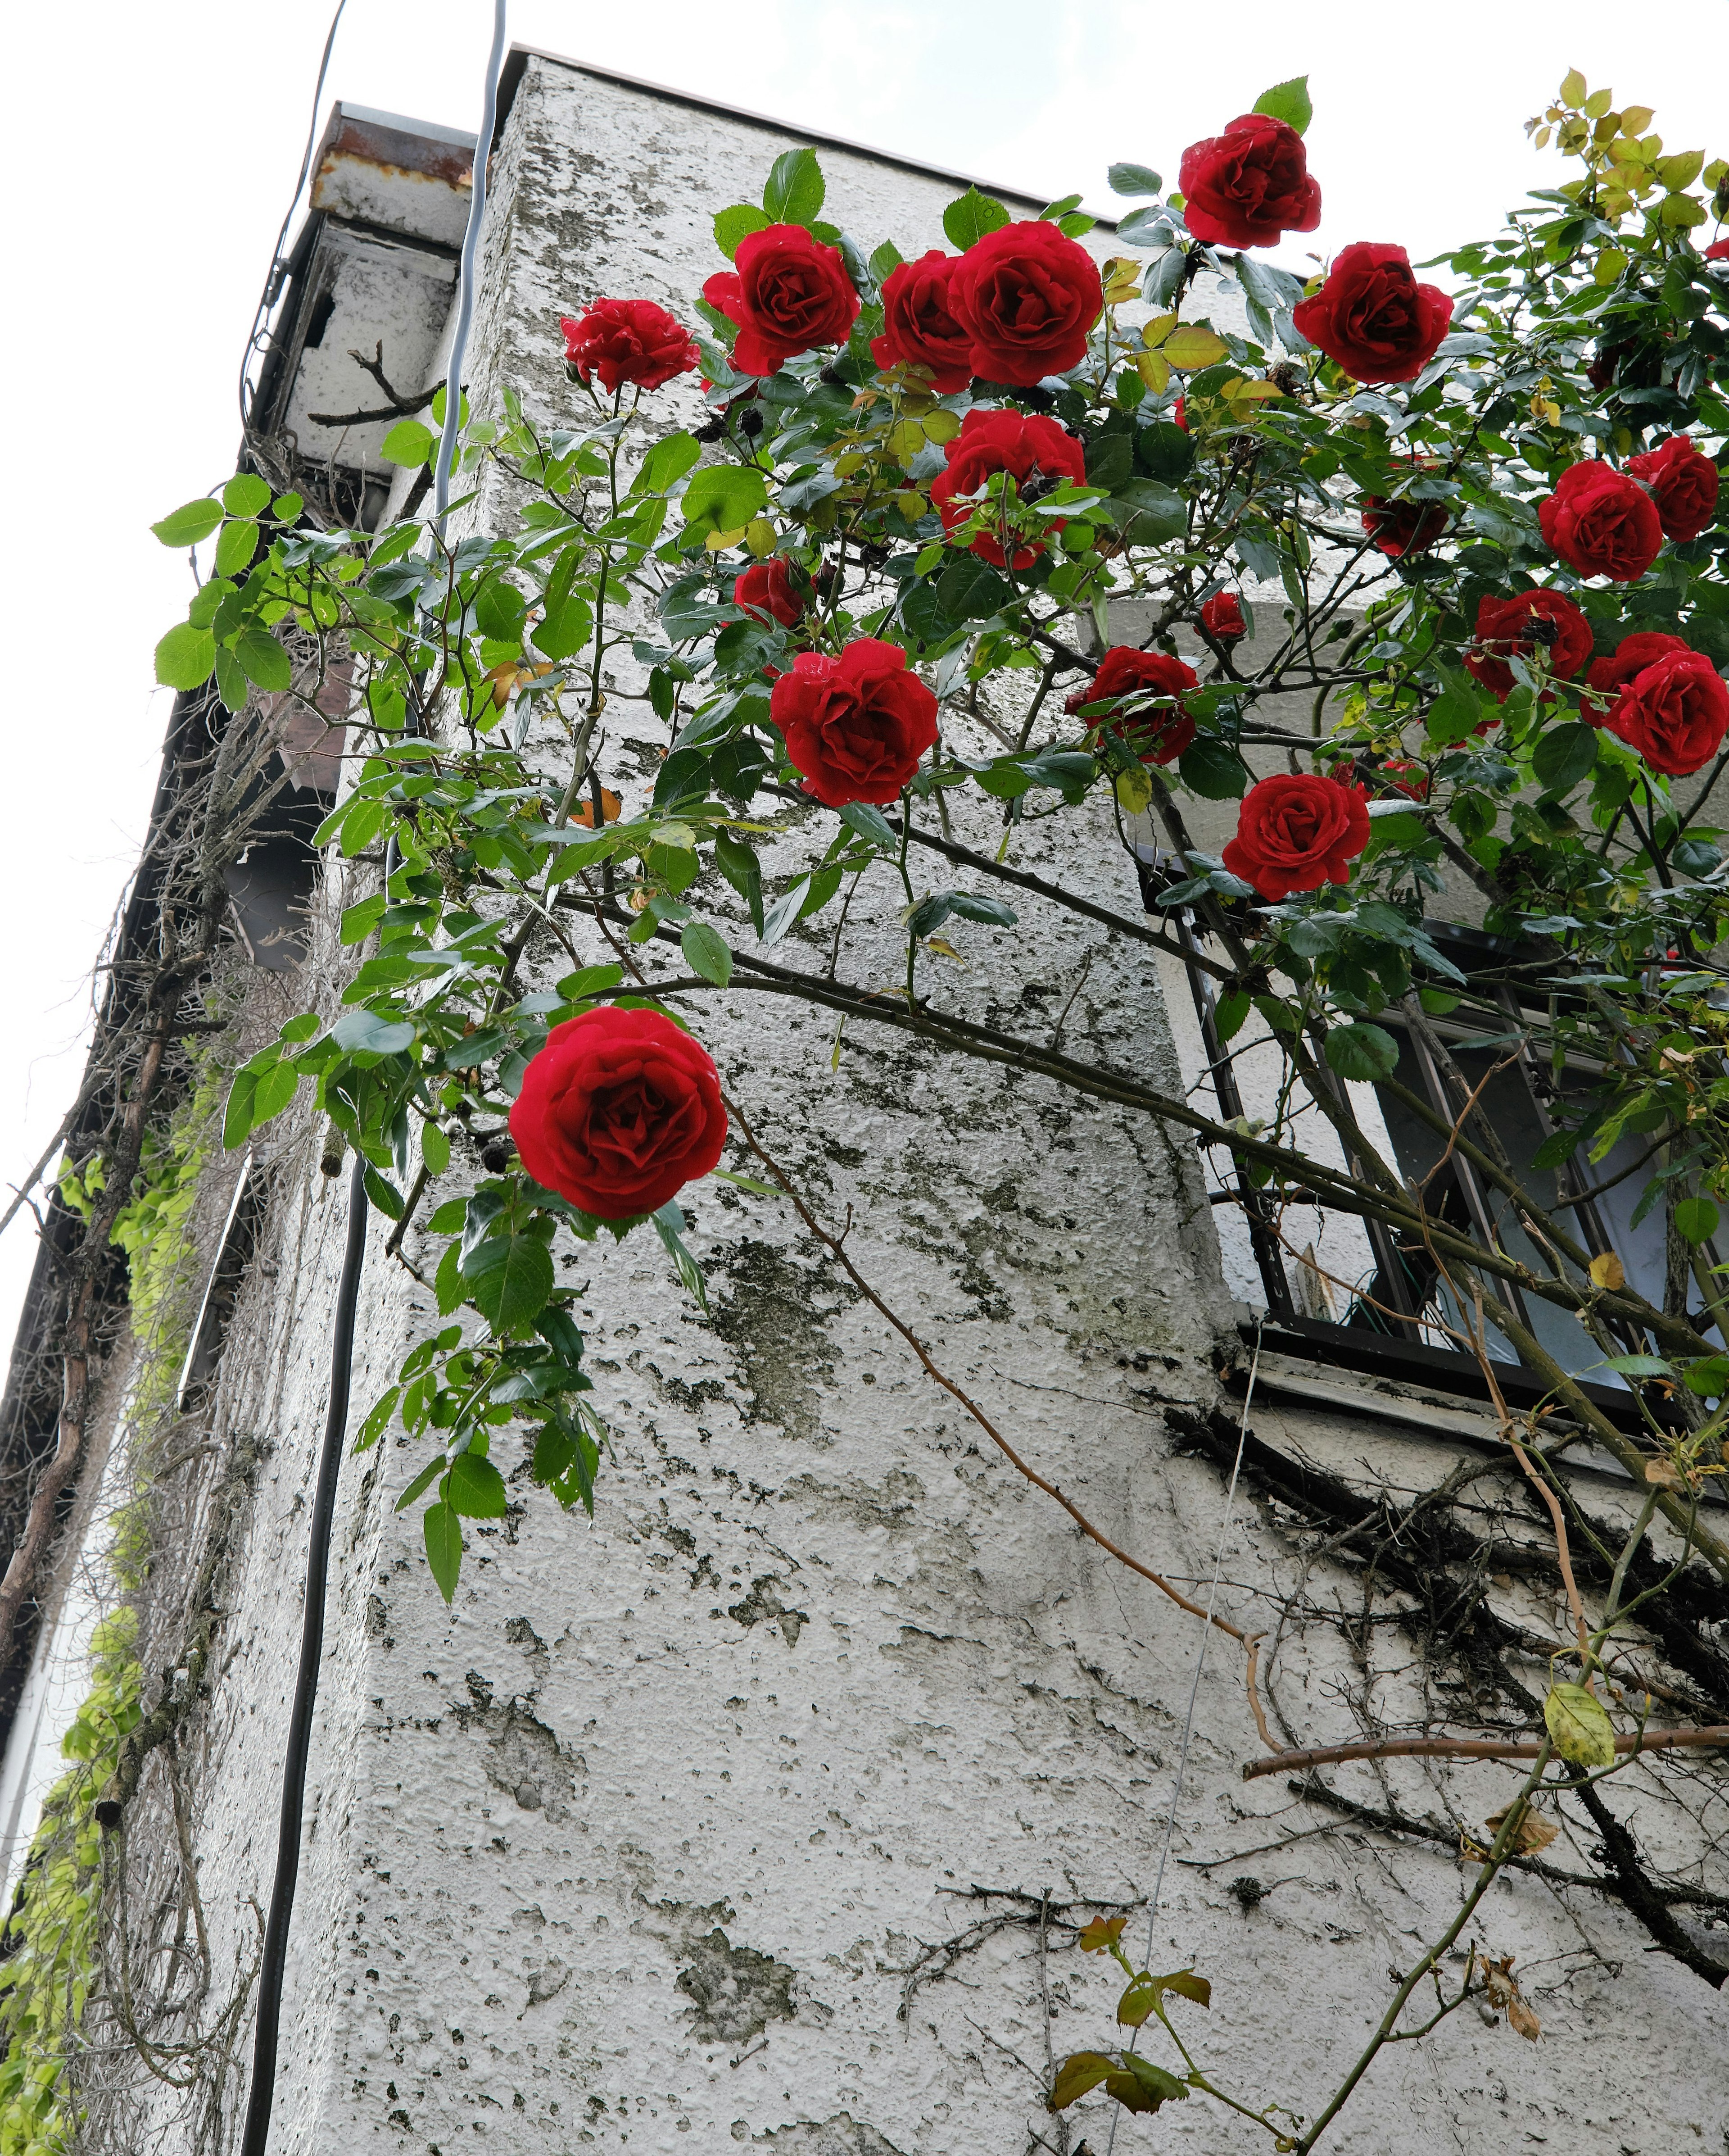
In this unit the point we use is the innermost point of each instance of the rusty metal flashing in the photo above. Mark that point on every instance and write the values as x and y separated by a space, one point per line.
405 176
517 66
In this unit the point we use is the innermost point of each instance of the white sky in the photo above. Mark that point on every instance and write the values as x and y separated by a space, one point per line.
152 154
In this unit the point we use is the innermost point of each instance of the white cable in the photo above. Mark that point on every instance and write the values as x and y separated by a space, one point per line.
1194 1689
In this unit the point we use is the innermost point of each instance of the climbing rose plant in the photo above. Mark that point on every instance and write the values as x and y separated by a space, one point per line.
1473 522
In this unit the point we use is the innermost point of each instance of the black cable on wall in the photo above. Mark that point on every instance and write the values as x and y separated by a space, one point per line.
266 2033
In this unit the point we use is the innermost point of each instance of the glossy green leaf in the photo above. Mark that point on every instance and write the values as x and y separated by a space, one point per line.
443 1546
736 224
971 216
1695 1220
476 1489
186 526
409 443
795 191
1288 101
186 657
509 1278
706 952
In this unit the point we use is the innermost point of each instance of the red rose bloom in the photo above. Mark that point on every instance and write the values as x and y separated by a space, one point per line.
1684 483
1675 712
1027 296
1513 628
1632 654
788 294
1297 832
1406 778
1155 735
1718 251
855 725
1373 317
617 1110
767 588
1399 526
1601 522
1027 444
1222 618
1179 414
628 340
919 325
1246 187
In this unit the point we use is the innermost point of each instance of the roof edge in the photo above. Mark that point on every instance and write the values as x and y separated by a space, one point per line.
516 66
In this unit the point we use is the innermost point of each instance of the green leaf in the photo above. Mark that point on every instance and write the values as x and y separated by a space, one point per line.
737 223
1564 756
187 526
590 980
1695 1220
1134 180
1136 2006
1288 101
667 463
185 657
379 1421
449 1285
366 1032
885 260
868 822
384 1195
1213 770
564 632
449 1219
236 1121
1579 1726
443 1546
969 589
971 216
434 1148
246 495
1144 2086
667 1223
276 1088
409 443
509 1278
476 1489
723 497
1361 1051
706 952
236 547
795 190
1077 2077
1232 1009
262 660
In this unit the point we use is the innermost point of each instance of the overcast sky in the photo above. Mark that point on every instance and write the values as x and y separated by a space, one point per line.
153 155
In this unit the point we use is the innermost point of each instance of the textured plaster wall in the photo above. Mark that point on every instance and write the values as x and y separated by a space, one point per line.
642 1842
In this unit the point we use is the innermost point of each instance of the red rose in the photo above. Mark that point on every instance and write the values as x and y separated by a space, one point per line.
1245 188
1601 522
1406 778
628 340
1179 414
1222 618
1373 317
617 1110
1157 735
788 294
1026 443
1514 627
1718 251
1297 832
1684 484
1632 654
855 725
1399 526
919 325
1673 713
1027 296
767 588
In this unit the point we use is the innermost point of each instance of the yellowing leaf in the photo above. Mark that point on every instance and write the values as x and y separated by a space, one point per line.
1682 170
717 542
1101 1934
760 536
1520 2018
1154 332
611 808
1134 789
1664 1476
1532 1833
911 504
1607 1271
1636 118
1681 211
1579 1726
944 948
1574 87
1076 2075
1193 345
905 439
1154 369
941 426
851 462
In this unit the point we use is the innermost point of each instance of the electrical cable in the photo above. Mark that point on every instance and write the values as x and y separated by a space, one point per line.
262 2089
267 298
1194 1689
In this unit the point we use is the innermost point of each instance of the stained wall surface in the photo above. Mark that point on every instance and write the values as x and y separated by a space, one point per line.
761 1810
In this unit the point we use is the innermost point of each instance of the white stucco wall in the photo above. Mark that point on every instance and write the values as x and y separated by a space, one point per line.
637 1845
